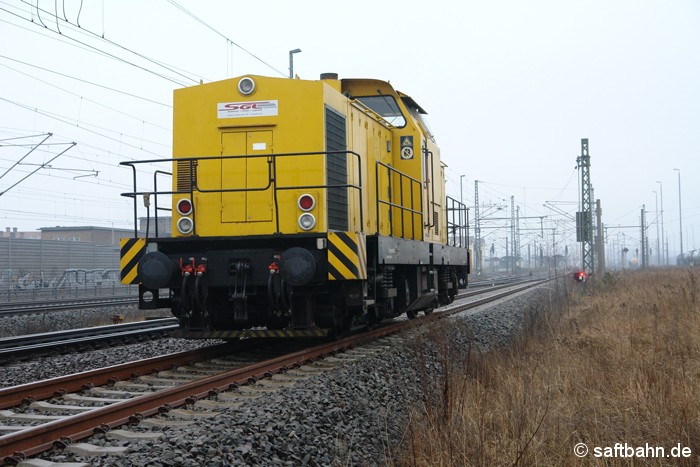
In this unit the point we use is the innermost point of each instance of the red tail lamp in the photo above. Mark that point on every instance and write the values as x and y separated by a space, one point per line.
306 202
184 207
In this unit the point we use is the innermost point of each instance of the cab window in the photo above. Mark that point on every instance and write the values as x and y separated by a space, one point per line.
386 107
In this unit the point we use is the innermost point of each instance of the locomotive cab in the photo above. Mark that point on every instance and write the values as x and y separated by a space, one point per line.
299 207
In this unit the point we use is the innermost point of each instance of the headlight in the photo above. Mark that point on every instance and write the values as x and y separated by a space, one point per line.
246 86
307 221
185 225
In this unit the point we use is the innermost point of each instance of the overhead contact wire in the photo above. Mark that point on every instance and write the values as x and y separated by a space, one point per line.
115 57
94 34
63 120
87 82
203 23
89 100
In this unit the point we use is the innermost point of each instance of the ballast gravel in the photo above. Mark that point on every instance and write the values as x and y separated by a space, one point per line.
356 413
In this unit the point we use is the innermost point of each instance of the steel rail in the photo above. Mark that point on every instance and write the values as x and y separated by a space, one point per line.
22 346
40 338
40 390
482 290
486 281
19 308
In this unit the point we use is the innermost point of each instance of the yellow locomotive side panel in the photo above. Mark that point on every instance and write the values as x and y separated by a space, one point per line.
364 150
381 152
400 188
299 130
368 137
433 203
410 158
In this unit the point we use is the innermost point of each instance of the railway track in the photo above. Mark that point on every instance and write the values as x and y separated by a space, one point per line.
491 288
18 308
17 347
102 400
490 280
26 346
12 348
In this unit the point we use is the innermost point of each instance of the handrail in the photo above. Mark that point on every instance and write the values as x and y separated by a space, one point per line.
456 223
401 206
431 199
155 200
271 183
136 221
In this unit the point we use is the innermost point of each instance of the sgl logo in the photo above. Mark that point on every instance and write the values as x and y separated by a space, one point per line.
247 109
248 106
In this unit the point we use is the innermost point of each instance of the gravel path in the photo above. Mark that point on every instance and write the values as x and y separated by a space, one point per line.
355 413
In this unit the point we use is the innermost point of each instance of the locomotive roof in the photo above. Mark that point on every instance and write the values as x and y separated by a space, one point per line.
408 99
348 82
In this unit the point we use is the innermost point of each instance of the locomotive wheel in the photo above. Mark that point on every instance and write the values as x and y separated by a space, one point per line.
447 296
455 287
340 331
372 320
403 298
431 307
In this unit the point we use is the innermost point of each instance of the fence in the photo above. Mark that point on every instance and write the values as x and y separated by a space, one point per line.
33 269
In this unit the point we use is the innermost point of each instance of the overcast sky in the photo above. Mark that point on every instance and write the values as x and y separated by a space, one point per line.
510 87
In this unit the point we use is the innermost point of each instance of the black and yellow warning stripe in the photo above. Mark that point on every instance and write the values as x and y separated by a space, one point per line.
347 256
250 333
131 251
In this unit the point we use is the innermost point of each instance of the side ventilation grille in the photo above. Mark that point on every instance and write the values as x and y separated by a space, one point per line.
184 175
336 171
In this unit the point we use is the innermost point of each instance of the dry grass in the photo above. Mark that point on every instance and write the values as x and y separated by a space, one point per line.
619 365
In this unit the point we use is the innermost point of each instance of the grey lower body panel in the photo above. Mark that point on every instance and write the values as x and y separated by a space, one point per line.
391 250
400 251
446 255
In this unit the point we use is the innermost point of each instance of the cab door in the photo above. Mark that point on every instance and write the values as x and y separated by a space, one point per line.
251 174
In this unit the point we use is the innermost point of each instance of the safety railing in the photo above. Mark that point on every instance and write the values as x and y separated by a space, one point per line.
457 223
270 184
411 207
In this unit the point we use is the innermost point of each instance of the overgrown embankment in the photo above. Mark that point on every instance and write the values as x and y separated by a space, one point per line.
616 367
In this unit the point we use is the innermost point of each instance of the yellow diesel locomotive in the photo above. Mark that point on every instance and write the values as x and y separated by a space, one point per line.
299 207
